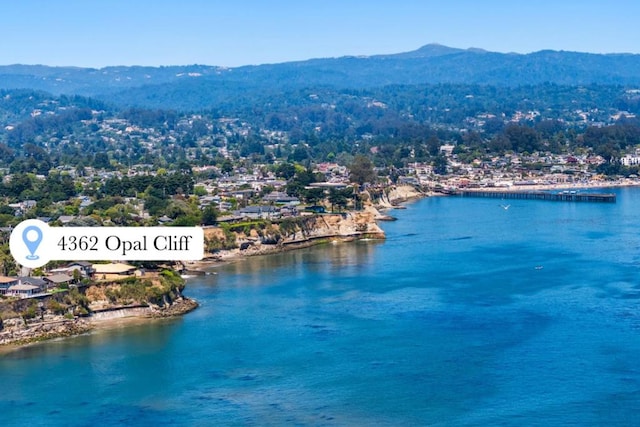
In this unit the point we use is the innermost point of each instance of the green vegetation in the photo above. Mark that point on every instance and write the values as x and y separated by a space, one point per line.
165 288
30 312
78 301
246 226
158 290
404 123
361 170
8 266
203 149
214 244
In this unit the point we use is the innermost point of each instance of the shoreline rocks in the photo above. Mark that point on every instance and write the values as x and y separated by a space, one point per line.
17 333
348 226
303 232
393 196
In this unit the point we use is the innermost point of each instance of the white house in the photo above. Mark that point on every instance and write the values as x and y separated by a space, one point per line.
630 160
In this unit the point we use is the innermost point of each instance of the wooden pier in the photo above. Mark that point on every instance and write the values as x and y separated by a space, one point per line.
559 196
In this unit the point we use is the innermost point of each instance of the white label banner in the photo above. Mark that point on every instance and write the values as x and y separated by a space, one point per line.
33 243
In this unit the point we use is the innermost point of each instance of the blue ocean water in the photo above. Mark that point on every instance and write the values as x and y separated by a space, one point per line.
467 315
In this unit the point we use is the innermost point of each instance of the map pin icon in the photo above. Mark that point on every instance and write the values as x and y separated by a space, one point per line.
32 236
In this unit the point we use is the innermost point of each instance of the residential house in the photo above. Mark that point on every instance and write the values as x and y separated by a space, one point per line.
119 269
57 280
330 185
23 290
243 194
6 283
164 220
630 160
86 268
411 180
288 210
28 204
255 212
85 201
39 282
65 219
281 198
207 200
447 149
224 206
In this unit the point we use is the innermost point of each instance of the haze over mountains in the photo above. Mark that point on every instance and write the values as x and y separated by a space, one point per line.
201 86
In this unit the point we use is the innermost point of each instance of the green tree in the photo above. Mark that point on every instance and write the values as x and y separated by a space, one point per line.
101 161
361 170
199 190
286 170
8 265
209 215
440 165
226 166
433 145
339 198
312 195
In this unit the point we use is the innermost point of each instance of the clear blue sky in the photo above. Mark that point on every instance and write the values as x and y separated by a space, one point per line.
97 33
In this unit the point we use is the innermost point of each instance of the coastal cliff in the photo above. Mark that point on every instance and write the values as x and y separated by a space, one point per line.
79 310
159 294
260 237
394 195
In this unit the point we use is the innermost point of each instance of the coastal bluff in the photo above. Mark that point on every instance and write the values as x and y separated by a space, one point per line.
80 309
394 195
264 237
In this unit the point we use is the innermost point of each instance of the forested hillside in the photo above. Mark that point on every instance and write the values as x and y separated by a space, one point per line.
202 86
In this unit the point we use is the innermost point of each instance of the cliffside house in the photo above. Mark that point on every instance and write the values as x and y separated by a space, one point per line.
114 269
57 280
6 283
42 285
23 290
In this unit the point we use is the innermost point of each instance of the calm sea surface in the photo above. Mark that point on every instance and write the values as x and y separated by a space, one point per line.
469 314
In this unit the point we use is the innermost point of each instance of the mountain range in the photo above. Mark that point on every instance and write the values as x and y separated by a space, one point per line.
202 86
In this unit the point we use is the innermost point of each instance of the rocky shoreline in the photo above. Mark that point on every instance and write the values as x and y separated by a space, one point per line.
179 307
350 226
17 332
346 227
